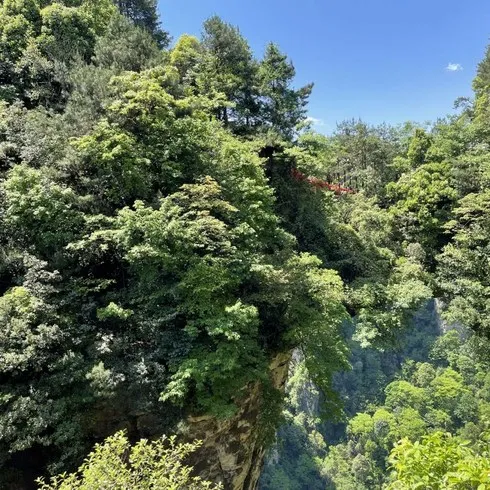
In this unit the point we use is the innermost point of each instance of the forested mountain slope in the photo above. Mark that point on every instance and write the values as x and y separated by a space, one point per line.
416 409
159 262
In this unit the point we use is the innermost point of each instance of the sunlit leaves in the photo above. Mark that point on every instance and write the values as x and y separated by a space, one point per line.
439 461
464 264
117 464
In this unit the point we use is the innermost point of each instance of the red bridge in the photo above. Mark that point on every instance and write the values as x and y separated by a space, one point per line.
321 184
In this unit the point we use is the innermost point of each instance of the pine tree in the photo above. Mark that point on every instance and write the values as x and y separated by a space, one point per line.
229 69
144 14
284 107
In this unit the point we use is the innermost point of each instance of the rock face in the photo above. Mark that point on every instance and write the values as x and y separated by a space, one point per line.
444 326
232 452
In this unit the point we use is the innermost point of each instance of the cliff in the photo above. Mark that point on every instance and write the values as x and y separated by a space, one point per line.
233 452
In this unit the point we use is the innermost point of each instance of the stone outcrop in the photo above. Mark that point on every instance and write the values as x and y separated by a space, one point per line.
232 452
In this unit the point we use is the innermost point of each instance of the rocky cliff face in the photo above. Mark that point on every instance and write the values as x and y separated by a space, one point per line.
232 452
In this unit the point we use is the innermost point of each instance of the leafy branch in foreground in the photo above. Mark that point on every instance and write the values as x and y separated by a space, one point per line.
116 464
439 461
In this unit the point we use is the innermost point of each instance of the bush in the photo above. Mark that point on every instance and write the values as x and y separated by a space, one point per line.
116 465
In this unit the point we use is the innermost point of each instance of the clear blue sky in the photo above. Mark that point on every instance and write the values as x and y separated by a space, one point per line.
380 60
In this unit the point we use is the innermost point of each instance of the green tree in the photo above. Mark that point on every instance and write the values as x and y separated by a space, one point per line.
401 394
439 461
284 107
116 464
125 47
186 56
228 68
418 148
462 271
39 42
422 204
365 156
144 14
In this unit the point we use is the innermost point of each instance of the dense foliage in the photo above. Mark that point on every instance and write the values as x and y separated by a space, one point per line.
116 465
145 268
447 394
416 411
156 252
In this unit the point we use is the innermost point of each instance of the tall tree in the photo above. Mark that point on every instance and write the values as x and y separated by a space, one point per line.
464 274
283 106
365 154
186 56
144 14
418 147
229 69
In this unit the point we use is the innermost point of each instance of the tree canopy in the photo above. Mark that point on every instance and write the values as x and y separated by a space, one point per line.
156 252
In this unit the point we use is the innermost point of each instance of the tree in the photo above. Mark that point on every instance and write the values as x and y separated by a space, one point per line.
163 236
173 267
365 156
143 13
39 43
422 204
418 148
42 369
448 389
186 56
228 68
401 394
116 464
126 47
439 461
283 106
462 271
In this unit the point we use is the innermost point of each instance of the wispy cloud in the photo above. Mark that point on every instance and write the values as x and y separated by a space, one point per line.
454 67
315 121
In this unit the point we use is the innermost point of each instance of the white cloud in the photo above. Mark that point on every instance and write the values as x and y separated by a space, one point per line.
315 121
454 67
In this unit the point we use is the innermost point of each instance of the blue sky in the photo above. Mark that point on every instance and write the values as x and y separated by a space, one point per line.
380 60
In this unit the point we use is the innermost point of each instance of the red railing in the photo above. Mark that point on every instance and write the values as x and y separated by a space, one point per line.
321 184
